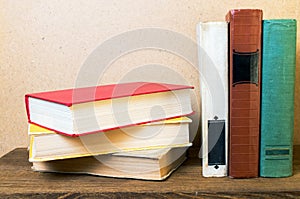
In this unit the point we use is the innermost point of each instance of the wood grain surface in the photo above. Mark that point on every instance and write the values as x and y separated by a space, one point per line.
17 180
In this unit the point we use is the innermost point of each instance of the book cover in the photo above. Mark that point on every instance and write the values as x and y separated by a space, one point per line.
69 97
277 109
244 91
213 62
81 111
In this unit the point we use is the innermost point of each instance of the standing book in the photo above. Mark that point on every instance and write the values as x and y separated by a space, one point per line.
213 63
81 111
277 110
245 28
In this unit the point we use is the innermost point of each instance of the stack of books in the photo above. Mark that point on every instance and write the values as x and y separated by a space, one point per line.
247 91
131 130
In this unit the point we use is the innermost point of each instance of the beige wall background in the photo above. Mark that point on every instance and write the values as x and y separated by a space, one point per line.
43 45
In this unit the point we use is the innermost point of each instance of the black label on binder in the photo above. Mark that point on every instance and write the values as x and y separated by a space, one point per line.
277 152
245 68
216 142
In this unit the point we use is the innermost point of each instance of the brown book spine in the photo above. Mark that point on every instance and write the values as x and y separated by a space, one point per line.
245 28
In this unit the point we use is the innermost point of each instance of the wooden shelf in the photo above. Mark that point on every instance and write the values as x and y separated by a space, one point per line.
18 180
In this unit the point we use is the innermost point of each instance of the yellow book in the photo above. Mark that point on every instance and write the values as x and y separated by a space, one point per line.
46 145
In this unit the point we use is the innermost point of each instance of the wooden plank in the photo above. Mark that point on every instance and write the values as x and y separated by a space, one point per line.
17 180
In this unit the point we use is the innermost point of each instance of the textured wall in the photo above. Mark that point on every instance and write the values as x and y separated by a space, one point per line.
43 44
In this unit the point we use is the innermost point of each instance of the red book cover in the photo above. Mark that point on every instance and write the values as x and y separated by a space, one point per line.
245 28
70 97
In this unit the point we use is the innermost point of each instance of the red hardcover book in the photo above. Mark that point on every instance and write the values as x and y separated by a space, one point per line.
244 91
88 110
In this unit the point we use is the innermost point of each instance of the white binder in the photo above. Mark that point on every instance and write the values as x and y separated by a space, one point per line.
212 39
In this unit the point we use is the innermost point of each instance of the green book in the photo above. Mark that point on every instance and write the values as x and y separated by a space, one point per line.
277 100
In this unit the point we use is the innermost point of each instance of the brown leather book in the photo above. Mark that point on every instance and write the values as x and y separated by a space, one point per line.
245 28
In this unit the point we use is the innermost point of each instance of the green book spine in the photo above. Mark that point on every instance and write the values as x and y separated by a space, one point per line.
277 99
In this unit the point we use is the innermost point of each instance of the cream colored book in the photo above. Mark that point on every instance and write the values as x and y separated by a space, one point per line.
213 66
46 145
146 165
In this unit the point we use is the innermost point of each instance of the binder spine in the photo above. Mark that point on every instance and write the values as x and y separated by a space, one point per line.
244 90
277 110
213 66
